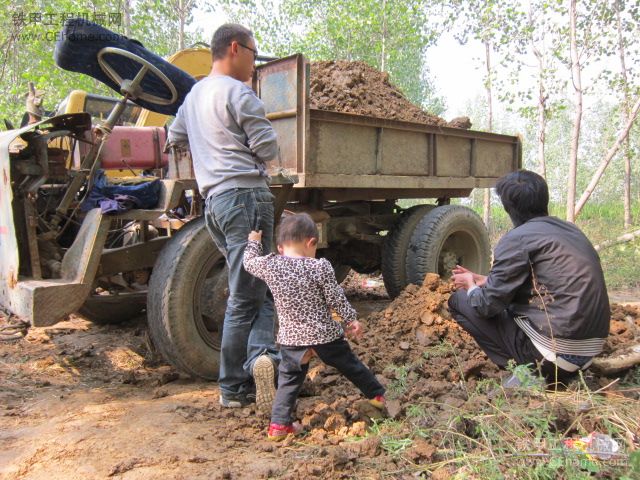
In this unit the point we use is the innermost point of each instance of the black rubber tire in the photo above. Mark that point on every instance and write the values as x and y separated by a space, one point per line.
188 280
113 309
394 252
448 235
341 272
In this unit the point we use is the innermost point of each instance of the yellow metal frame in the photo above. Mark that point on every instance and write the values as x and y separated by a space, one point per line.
196 62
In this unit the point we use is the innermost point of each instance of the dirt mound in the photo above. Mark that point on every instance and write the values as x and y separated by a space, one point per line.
355 87
420 354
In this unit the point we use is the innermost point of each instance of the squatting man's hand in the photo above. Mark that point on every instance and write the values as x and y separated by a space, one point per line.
354 330
464 278
255 235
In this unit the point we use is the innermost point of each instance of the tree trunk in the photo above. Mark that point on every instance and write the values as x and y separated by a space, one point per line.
542 113
607 158
575 131
181 21
628 219
627 237
626 198
127 17
486 204
384 35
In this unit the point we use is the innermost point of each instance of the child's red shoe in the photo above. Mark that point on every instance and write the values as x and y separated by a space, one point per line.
279 432
378 401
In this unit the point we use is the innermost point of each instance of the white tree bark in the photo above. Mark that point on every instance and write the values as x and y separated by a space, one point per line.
127 17
626 197
486 203
576 75
542 114
383 52
607 158
181 22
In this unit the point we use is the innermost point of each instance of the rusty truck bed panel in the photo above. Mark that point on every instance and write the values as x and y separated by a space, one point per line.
332 150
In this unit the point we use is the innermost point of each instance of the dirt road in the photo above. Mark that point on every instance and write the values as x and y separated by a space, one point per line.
82 401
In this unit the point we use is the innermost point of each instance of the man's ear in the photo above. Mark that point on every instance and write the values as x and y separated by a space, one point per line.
280 249
233 47
312 242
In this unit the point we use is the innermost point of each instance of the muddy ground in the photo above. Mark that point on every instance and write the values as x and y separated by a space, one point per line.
78 400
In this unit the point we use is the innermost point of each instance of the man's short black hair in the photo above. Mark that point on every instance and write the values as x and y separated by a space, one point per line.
524 195
296 228
226 34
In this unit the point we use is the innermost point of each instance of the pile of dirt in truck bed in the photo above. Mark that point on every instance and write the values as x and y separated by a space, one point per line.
355 87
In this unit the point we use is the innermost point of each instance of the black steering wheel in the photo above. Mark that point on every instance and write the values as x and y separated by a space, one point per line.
133 88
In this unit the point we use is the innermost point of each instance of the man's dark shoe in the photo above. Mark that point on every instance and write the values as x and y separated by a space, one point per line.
264 376
237 402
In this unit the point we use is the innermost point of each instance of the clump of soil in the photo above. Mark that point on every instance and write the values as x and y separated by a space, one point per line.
624 329
358 286
355 87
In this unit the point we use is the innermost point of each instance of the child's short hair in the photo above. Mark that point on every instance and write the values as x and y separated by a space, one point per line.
296 228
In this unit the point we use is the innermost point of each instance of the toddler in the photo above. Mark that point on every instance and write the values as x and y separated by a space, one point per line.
305 291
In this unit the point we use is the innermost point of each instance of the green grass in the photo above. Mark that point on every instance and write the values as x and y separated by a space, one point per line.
515 434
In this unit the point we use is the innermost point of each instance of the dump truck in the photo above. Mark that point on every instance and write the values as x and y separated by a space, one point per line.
347 171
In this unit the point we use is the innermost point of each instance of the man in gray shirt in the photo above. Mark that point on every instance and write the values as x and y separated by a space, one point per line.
231 141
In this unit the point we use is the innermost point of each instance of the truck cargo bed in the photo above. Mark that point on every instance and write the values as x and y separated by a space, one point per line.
353 156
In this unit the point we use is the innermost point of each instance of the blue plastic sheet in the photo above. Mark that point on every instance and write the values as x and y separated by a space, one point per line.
77 48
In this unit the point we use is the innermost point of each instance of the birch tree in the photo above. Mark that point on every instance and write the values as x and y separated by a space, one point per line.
576 80
627 19
484 21
535 42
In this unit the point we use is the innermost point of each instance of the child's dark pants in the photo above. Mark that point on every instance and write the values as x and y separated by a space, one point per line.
291 375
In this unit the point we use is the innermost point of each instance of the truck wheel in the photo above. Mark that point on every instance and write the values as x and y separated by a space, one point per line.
341 271
187 300
447 236
113 309
394 253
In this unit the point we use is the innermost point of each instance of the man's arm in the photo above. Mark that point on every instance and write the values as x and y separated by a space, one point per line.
510 270
178 129
261 137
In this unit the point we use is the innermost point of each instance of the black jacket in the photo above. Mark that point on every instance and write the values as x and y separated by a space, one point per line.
548 271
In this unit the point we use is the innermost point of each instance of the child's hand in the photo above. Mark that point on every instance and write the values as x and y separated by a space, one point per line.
354 330
256 235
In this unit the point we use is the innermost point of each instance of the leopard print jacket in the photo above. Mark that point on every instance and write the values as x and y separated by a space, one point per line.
305 291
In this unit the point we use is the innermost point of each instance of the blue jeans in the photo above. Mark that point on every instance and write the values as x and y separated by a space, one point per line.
248 329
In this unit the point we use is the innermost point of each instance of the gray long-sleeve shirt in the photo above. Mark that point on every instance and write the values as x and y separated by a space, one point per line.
228 133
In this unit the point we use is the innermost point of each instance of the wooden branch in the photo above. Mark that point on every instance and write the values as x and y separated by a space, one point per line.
617 363
608 157
627 237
